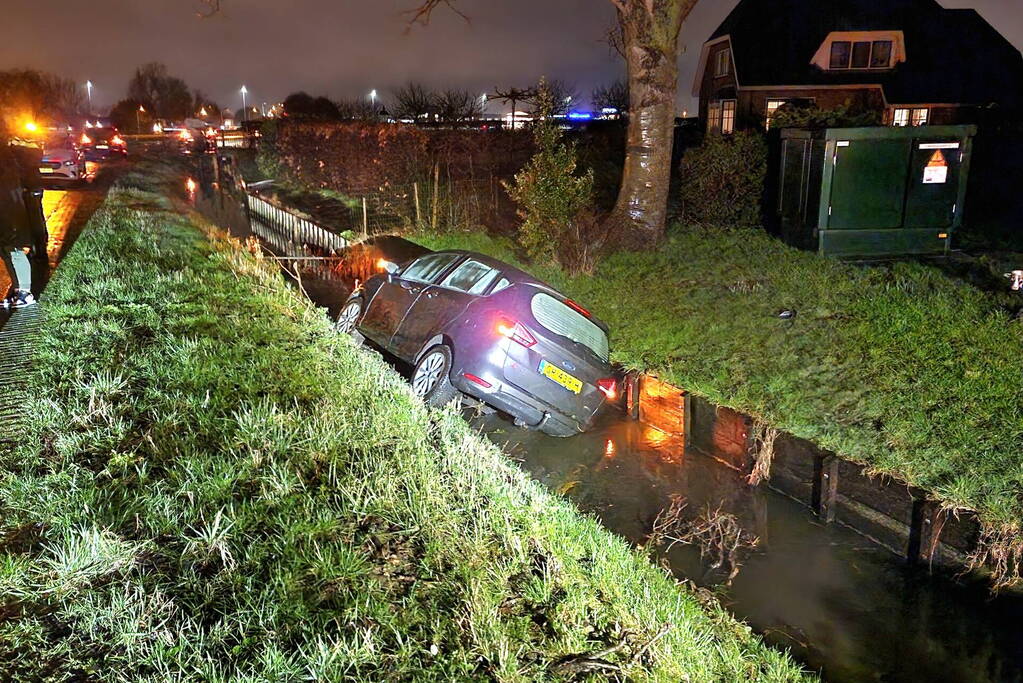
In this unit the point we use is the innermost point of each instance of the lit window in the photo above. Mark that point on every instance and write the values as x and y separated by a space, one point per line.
728 116
840 50
920 117
901 117
723 63
714 116
772 107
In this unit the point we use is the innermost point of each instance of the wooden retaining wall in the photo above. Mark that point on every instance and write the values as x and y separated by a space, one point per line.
891 513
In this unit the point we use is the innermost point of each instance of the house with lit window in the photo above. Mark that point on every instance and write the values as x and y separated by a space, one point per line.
912 62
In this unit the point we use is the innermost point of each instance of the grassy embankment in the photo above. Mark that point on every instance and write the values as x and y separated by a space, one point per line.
216 486
900 367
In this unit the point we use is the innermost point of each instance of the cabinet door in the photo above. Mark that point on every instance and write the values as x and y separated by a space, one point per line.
868 186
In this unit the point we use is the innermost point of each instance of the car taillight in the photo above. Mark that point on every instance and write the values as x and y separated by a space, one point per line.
576 307
516 332
610 388
116 140
86 139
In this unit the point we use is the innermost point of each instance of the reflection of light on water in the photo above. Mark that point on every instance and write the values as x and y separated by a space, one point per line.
668 447
190 186
609 449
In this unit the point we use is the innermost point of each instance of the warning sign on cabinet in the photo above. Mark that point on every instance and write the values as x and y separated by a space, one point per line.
936 171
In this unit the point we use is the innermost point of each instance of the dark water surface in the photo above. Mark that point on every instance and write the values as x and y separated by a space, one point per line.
843 605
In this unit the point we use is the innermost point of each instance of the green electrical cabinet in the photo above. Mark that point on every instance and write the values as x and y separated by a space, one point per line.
864 193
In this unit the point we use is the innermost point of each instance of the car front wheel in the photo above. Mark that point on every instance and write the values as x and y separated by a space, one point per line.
430 379
349 316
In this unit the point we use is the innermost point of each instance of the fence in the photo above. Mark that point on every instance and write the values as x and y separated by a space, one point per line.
288 231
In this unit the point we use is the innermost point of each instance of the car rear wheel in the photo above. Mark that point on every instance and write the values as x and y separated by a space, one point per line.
431 381
349 316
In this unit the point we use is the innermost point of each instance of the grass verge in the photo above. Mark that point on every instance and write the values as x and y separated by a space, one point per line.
899 367
215 486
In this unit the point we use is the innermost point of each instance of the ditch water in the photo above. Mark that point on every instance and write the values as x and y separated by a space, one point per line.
843 605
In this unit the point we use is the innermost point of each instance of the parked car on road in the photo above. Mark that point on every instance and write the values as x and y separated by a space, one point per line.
473 325
62 157
102 143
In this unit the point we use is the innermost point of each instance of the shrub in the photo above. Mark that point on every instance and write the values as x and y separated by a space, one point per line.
843 116
723 180
550 195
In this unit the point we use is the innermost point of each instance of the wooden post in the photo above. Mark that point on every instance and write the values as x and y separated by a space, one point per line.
419 212
365 218
924 530
825 486
436 194
634 393
687 425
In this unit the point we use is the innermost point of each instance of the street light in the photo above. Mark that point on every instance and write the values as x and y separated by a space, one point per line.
483 105
245 113
88 87
138 119
373 99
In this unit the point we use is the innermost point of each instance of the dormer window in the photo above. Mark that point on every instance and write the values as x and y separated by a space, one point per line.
861 54
723 63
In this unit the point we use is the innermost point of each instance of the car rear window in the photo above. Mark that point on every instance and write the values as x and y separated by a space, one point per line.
472 277
566 321
428 268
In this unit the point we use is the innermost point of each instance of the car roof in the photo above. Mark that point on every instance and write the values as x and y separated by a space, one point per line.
515 275
518 276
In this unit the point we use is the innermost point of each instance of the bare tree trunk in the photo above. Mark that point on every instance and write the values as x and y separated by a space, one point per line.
650 31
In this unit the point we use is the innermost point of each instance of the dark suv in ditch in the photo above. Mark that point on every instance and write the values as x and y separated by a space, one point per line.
475 325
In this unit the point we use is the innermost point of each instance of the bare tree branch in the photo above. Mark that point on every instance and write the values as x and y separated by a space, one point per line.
421 15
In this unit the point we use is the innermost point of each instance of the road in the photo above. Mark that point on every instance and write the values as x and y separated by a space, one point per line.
67 208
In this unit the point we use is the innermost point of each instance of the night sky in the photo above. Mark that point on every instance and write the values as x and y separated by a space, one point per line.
345 48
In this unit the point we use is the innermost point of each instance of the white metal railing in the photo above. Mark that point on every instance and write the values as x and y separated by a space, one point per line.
287 231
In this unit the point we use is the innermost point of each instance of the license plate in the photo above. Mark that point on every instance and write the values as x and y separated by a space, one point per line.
559 376
102 147
46 170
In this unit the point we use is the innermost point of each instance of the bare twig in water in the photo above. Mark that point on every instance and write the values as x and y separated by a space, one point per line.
668 520
717 534
763 452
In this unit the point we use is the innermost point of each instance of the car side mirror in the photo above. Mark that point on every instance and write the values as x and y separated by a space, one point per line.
390 266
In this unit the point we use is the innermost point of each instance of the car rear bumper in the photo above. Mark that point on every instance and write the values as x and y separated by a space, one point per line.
61 173
525 407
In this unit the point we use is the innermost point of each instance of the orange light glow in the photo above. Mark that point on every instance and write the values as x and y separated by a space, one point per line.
190 186
117 140
86 139
31 127
609 449
382 264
